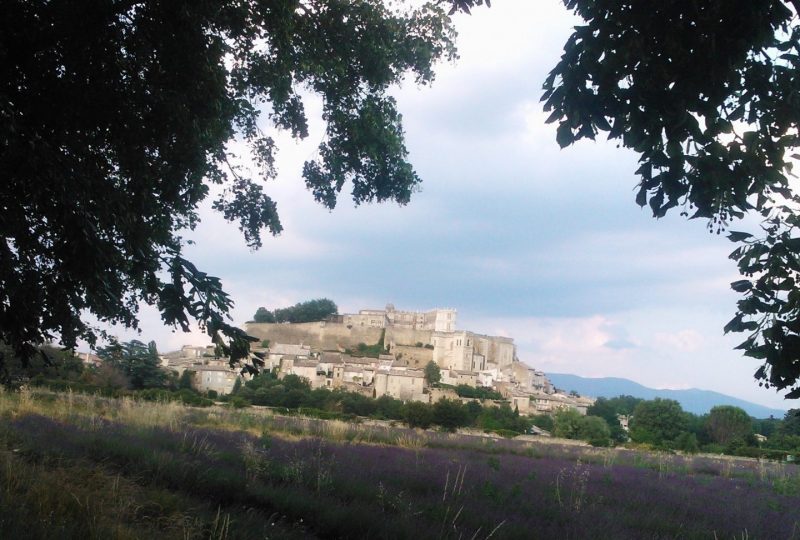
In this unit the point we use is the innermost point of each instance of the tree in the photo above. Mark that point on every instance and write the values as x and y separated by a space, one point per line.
450 414
624 404
417 414
607 410
687 442
432 373
726 423
187 377
263 315
658 422
791 423
766 426
137 361
116 122
594 430
567 423
310 311
543 421
705 93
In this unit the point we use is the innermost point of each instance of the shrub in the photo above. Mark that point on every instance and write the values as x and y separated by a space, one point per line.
543 421
238 402
507 433
418 414
450 414
687 442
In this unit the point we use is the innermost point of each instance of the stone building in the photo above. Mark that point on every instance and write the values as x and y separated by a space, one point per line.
468 351
217 378
436 320
407 385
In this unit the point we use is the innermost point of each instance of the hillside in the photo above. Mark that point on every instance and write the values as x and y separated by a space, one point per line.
76 466
693 400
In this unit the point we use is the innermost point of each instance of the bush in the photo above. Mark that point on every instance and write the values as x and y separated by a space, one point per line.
543 421
190 397
238 402
186 378
155 394
389 408
450 414
686 442
498 418
595 431
418 414
507 433
479 392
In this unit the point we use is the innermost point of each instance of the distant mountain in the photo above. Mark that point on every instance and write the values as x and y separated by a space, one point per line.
692 400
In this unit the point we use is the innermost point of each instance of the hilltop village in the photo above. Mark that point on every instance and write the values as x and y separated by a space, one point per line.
385 352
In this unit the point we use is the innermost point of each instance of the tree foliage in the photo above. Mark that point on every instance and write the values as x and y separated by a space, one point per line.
658 422
450 414
567 423
308 311
116 122
608 410
433 374
706 93
595 431
791 423
570 424
418 414
137 361
263 315
726 423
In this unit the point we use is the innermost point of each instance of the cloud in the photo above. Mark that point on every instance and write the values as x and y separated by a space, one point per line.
683 340
619 344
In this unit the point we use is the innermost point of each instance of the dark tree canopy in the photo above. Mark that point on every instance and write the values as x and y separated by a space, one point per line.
726 423
608 411
433 374
706 92
308 311
658 422
263 315
137 361
115 123
791 423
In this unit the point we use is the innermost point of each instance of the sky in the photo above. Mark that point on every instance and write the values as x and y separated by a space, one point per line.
524 239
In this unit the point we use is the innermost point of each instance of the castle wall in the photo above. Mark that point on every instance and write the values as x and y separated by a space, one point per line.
319 335
417 357
408 336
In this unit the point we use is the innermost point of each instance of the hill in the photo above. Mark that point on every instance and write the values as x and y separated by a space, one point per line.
693 400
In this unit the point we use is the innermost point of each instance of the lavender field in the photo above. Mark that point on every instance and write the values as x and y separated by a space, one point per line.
222 474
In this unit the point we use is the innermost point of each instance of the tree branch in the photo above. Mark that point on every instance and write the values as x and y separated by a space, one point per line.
796 6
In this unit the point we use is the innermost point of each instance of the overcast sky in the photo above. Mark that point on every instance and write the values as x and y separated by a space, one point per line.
525 240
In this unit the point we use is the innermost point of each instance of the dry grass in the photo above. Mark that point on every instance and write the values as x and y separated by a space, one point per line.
170 415
88 502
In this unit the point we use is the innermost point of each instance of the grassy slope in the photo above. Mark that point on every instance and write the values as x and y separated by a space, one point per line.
83 467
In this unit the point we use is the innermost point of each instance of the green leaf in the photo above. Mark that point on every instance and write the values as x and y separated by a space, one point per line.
734 325
564 135
736 236
742 285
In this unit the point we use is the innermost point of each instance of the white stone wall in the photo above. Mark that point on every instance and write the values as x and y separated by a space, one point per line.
219 380
399 385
